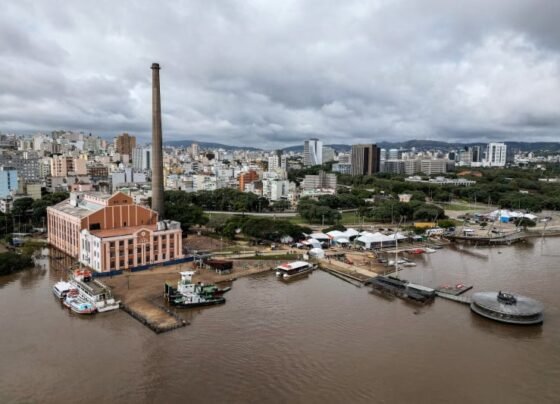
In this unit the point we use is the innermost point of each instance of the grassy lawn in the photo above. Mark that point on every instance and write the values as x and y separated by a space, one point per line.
462 206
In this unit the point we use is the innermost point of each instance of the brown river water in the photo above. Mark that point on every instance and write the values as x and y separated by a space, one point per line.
315 340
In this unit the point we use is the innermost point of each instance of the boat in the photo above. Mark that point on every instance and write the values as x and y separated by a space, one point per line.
78 304
94 291
61 289
409 264
429 250
417 251
295 269
188 294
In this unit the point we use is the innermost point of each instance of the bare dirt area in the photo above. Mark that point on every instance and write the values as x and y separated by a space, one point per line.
204 243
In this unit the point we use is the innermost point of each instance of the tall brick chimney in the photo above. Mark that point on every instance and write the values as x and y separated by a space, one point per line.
157 152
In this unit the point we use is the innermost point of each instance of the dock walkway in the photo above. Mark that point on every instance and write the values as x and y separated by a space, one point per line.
458 299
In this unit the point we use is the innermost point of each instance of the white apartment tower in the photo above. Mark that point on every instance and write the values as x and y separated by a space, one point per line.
496 154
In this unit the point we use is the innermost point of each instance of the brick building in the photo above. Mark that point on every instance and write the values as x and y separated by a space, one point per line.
109 232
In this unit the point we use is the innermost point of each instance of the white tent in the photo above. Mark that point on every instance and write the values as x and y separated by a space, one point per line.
335 234
320 236
313 243
342 240
349 233
317 253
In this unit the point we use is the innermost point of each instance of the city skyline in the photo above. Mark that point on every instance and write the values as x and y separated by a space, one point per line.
278 74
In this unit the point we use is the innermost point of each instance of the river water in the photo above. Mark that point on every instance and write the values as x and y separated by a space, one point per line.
318 339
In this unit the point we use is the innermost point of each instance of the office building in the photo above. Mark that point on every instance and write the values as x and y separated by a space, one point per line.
328 154
312 152
320 181
366 159
432 167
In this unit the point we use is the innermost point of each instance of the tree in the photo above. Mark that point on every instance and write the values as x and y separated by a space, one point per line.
21 206
178 207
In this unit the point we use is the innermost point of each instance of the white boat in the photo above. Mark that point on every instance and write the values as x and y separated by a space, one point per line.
61 289
429 250
78 304
293 269
95 292
391 263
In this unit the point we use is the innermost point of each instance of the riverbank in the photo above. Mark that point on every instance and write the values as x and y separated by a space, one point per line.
141 293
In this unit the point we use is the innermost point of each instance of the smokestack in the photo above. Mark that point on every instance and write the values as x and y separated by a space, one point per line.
157 152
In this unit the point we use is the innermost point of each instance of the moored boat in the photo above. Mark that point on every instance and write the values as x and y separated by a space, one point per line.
61 289
77 303
295 269
188 294
94 291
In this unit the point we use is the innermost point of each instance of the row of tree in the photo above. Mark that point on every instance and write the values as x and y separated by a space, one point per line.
262 228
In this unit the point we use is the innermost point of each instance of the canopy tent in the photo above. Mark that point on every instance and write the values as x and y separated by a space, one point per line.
342 241
317 253
351 234
335 234
320 236
312 243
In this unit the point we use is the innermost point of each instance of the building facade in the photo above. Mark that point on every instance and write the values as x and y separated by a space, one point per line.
496 154
95 221
365 159
312 152
125 144
8 181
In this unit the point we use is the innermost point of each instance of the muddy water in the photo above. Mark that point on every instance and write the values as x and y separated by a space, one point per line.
315 340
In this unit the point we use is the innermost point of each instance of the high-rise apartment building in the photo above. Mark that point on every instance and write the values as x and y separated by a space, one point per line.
142 158
63 166
125 144
365 159
496 154
8 181
312 152
328 154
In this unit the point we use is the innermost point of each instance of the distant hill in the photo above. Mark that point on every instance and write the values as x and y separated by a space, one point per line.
207 145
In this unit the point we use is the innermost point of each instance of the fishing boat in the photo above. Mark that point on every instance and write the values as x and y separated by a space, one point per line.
188 294
295 269
61 289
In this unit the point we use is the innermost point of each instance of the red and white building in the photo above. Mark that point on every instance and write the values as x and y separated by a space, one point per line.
110 232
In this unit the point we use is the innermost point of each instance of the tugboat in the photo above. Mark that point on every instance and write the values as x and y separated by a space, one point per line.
188 294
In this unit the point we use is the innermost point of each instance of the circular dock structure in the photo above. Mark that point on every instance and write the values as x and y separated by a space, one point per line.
507 308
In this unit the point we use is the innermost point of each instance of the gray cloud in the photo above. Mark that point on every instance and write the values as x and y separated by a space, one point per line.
273 73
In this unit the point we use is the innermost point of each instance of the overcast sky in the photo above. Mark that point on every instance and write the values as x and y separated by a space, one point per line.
272 73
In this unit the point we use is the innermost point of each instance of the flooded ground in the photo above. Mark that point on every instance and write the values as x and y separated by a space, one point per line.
318 339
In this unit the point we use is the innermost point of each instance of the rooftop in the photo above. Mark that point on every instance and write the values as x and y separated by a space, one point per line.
122 231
